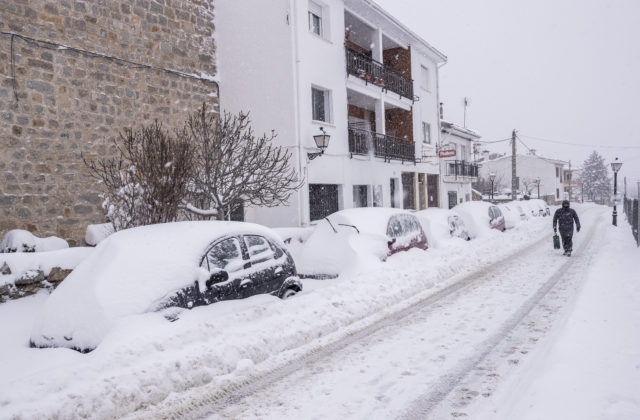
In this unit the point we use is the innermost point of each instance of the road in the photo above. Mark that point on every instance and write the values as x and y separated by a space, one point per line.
434 360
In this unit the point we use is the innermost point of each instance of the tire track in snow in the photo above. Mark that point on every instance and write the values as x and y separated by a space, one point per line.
423 406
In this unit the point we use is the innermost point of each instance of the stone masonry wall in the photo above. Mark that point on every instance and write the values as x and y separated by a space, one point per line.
73 74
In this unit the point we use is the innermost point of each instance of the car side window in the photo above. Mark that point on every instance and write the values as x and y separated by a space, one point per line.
226 255
411 225
259 249
394 229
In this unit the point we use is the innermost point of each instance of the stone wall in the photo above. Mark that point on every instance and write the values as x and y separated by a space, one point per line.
73 74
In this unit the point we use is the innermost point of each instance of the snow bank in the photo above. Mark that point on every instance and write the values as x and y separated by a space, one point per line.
18 240
20 262
294 239
145 359
128 273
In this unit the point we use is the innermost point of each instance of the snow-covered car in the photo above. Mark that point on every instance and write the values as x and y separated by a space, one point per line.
511 217
440 224
355 236
480 217
163 268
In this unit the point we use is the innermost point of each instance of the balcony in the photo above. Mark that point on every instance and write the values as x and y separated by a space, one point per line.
371 71
461 171
365 142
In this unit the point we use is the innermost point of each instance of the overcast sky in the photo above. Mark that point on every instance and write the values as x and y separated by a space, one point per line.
560 70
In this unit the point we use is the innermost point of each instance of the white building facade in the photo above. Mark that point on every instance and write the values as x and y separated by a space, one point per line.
457 167
350 69
529 169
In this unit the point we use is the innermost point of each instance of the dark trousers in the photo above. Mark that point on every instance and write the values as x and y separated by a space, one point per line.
567 240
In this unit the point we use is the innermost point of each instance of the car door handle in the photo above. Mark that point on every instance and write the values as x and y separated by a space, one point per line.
278 270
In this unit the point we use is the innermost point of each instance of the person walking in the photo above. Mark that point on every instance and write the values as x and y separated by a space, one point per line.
563 218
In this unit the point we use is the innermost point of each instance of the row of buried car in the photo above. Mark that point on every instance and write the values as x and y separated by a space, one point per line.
173 267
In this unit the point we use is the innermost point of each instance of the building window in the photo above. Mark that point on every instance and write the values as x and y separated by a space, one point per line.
557 193
315 18
557 172
463 152
426 133
320 104
424 78
323 200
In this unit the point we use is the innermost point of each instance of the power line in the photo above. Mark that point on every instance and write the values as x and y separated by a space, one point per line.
581 145
494 141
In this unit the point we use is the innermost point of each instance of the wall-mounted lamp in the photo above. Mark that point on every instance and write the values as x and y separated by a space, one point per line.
322 142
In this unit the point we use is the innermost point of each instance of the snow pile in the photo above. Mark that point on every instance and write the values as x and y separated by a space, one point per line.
97 233
128 273
20 263
144 359
18 240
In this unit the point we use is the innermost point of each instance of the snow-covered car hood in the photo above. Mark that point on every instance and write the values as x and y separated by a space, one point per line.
128 274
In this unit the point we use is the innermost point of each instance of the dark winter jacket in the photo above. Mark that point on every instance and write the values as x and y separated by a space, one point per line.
564 218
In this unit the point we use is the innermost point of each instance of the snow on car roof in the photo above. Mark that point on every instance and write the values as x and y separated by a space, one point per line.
366 219
128 273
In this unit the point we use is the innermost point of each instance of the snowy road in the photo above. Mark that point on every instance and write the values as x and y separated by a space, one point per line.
430 360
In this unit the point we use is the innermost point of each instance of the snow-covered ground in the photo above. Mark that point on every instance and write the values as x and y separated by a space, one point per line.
148 367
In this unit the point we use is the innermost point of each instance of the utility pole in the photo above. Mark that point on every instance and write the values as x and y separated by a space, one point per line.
514 194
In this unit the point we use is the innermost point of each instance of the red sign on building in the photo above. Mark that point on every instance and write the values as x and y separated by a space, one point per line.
446 153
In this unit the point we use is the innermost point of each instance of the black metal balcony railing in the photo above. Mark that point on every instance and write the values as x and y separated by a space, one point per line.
365 142
461 168
371 71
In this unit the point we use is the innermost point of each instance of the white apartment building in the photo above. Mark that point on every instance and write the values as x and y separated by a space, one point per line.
529 169
457 167
348 69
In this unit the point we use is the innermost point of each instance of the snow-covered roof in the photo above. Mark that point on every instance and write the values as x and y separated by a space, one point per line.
519 155
449 127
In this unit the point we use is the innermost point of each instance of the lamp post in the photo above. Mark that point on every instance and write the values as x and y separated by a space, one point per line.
322 142
492 177
615 166
537 182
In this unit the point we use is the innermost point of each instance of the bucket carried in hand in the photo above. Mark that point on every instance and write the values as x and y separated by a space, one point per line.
556 241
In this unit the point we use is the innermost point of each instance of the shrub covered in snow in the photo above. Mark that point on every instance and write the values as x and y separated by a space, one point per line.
18 240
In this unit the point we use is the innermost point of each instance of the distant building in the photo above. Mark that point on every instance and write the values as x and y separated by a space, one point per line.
350 69
457 168
529 169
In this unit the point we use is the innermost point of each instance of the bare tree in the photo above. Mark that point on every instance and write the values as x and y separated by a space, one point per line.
483 185
528 184
149 179
236 168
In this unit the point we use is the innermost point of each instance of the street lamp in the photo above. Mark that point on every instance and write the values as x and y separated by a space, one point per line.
322 142
615 166
492 177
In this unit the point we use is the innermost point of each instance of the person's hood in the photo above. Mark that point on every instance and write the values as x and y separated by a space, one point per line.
565 202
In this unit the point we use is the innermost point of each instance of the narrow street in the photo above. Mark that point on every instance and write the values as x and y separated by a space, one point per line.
430 361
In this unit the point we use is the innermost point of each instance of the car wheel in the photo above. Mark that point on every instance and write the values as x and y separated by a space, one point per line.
288 293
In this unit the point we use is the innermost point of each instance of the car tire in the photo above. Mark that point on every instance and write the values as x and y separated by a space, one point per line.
290 292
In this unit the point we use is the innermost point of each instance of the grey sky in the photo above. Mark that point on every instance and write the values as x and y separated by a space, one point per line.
562 70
